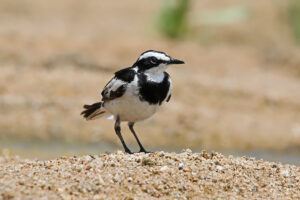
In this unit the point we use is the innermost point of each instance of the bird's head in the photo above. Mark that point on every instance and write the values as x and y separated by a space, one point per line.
154 62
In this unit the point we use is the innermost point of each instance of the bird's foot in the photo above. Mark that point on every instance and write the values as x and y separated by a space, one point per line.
128 151
142 150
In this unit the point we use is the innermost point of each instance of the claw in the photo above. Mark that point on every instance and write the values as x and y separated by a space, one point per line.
128 151
144 151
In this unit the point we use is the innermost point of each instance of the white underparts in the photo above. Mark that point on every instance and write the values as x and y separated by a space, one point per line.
110 117
129 107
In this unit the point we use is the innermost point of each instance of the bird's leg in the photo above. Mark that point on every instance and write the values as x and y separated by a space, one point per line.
142 149
118 132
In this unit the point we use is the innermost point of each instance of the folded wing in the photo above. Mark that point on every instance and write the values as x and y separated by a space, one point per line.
116 87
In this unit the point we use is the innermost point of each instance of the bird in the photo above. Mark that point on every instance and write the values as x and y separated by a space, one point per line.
135 93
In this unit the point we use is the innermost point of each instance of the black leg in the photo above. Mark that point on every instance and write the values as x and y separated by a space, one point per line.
142 149
118 132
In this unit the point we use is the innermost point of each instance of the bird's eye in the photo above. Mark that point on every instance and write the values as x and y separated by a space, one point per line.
153 60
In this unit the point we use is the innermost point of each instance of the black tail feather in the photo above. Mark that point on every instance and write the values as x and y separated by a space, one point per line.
90 109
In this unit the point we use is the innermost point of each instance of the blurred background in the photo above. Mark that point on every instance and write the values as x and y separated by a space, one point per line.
238 93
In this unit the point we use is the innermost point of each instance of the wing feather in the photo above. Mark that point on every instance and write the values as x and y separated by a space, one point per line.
116 87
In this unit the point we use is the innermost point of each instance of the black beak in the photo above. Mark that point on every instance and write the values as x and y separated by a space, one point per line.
176 61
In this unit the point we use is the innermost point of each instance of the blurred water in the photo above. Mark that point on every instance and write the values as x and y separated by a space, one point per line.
55 149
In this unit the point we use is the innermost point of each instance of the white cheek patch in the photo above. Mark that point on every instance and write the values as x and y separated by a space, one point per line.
159 56
157 70
156 74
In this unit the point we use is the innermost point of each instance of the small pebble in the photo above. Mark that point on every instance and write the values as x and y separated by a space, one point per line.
180 166
164 168
220 168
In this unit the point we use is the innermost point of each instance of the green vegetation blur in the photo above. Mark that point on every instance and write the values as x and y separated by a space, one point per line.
172 21
173 17
294 18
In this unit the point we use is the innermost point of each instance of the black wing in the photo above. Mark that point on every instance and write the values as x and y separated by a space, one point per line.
116 87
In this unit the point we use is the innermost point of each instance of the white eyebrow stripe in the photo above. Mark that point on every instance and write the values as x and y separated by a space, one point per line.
159 56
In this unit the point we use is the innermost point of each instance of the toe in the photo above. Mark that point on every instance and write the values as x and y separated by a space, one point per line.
143 150
128 151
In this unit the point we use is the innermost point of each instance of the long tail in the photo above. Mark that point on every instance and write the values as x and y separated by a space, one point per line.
93 111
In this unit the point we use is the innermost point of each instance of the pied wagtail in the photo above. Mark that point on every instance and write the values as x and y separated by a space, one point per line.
135 93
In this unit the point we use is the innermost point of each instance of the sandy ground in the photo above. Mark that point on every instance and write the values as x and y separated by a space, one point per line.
160 175
239 88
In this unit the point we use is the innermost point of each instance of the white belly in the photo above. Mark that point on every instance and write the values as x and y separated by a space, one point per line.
130 108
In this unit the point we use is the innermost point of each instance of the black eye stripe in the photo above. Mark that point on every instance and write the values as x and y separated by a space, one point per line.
153 59
149 62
